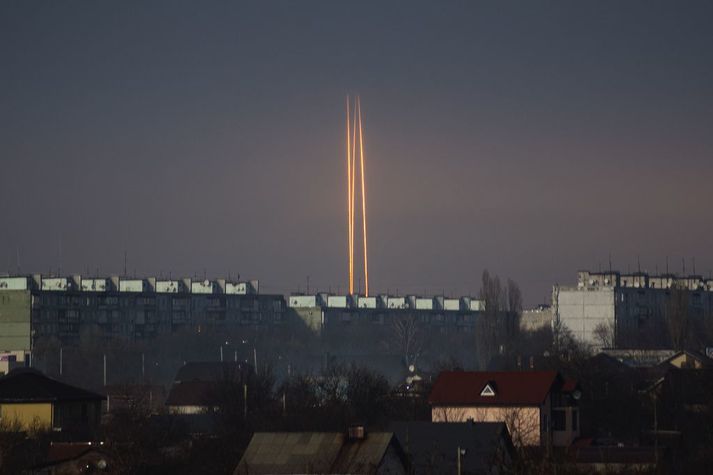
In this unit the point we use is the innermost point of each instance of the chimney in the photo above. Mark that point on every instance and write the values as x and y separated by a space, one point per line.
356 432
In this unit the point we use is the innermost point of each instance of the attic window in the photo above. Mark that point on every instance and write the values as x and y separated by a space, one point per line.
488 390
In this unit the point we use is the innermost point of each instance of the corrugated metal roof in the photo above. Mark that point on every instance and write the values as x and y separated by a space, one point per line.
313 452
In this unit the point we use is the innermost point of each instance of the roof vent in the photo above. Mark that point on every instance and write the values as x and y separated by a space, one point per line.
488 390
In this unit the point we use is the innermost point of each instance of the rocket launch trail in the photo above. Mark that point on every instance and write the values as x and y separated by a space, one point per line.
352 124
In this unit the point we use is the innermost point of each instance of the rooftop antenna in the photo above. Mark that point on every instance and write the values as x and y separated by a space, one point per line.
666 265
610 262
638 263
683 264
59 254
17 262
124 262
693 259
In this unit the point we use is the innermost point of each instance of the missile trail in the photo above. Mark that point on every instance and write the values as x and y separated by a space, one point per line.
363 200
350 218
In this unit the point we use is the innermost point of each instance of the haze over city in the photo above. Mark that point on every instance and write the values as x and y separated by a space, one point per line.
531 139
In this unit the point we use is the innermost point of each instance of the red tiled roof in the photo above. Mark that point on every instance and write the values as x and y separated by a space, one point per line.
511 387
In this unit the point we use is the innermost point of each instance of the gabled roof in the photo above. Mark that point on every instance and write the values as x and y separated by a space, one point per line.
83 454
688 360
212 371
431 445
511 387
314 452
192 393
29 385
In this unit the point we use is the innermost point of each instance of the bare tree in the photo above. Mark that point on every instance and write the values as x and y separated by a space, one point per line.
676 312
514 297
449 414
407 337
604 334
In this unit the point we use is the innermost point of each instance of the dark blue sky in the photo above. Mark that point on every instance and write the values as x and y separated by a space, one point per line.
531 138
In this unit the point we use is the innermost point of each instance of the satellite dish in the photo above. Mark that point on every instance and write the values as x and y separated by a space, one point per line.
577 394
411 368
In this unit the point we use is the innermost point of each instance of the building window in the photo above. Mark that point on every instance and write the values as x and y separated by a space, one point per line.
575 419
559 419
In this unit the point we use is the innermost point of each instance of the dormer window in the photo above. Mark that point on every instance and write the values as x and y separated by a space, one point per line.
488 390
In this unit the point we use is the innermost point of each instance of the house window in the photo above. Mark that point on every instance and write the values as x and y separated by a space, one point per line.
559 419
488 390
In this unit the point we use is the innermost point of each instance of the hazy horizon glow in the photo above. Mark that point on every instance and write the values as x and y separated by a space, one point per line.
529 139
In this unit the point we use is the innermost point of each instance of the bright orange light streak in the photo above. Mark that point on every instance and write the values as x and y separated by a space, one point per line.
353 197
363 200
350 218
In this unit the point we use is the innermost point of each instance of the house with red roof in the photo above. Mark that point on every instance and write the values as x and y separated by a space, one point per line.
539 407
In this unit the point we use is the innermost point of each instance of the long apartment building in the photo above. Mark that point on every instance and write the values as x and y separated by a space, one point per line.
33 307
633 306
324 311
72 307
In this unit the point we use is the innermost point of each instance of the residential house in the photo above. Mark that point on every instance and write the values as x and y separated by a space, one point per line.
31 399
642 358
617 459
441 447
74 458
354 452
197 386
13 359
539 407
120 397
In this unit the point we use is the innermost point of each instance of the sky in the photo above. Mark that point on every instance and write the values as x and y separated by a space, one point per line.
532 139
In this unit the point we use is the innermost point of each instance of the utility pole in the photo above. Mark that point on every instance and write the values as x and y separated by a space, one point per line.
245 401
105 369
656 432
458 463
60 361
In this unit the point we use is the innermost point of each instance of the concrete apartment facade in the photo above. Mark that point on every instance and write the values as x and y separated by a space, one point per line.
67 308
633 306
75 307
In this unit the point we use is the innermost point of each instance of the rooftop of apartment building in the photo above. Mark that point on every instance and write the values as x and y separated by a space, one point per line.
587 280
121 284
387 302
